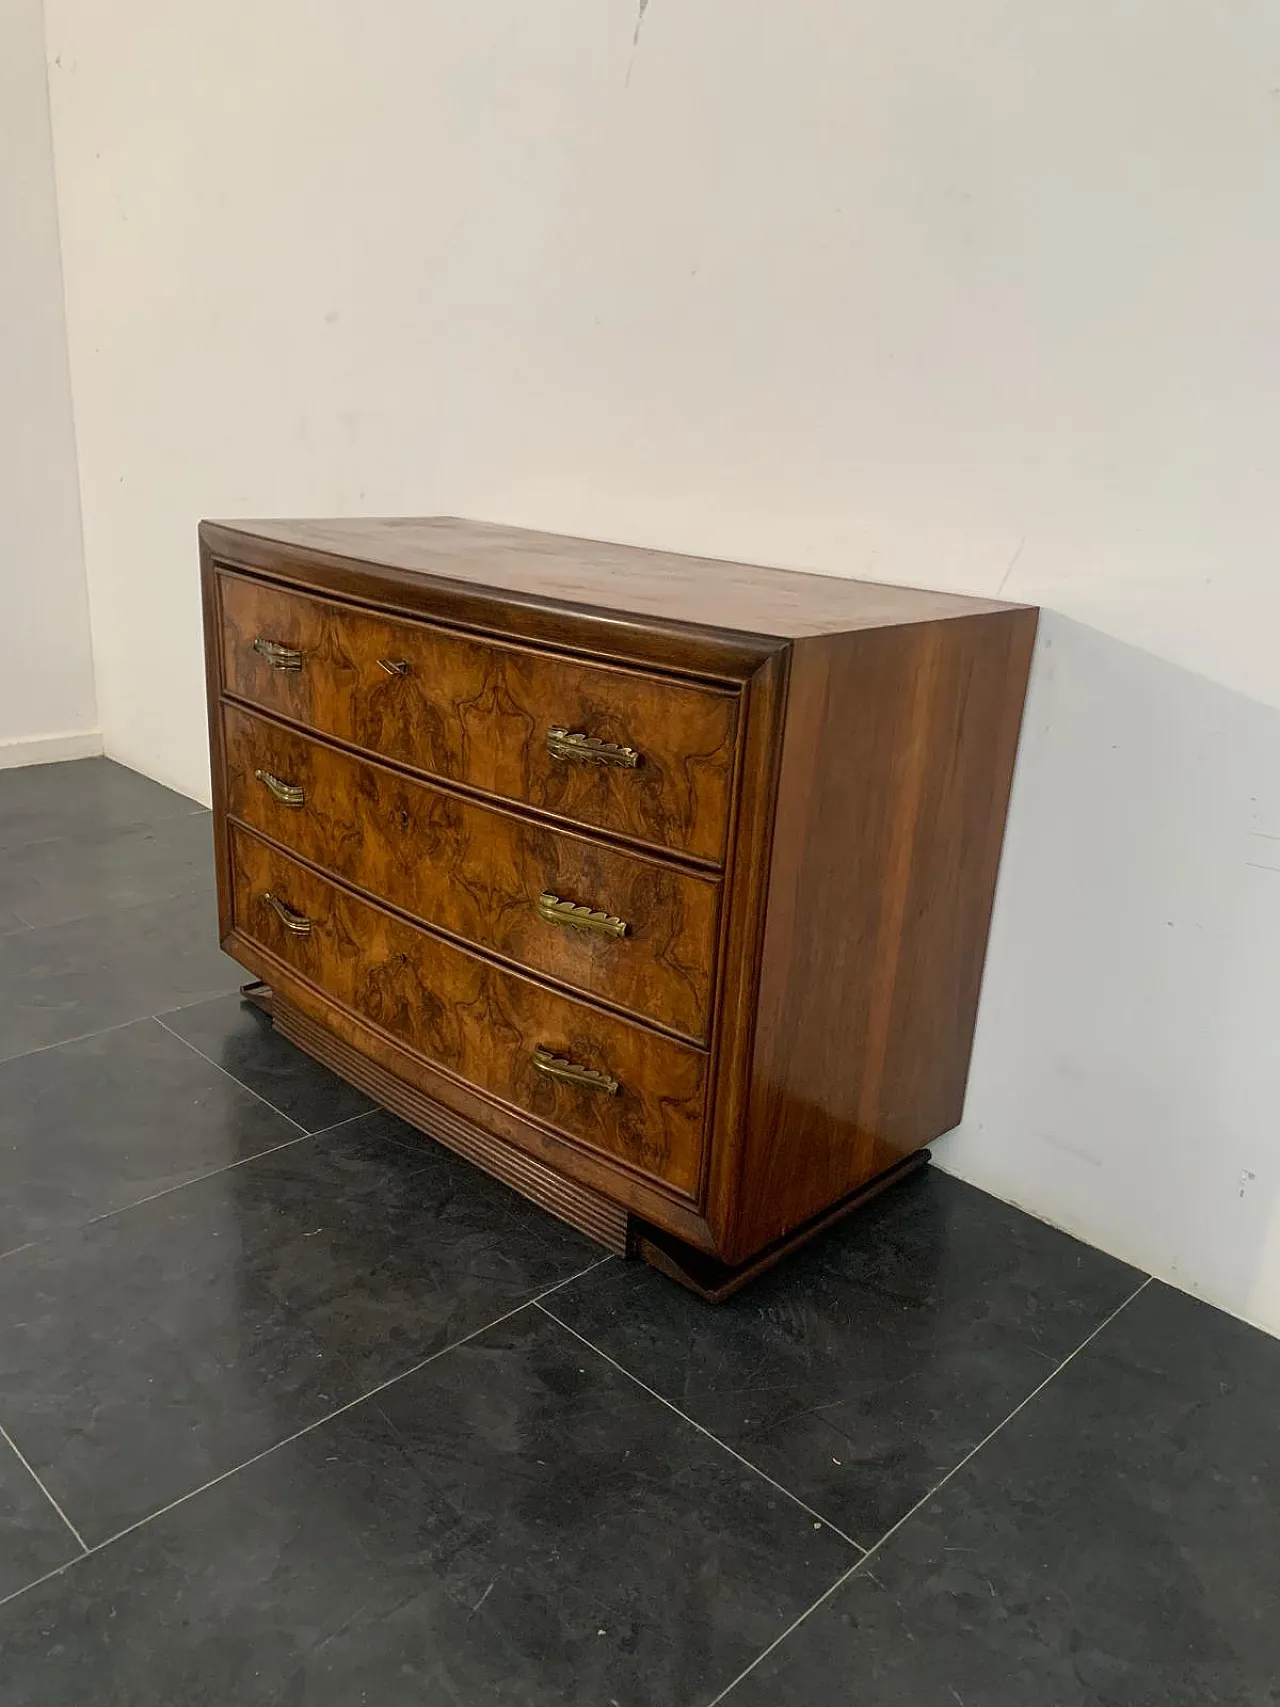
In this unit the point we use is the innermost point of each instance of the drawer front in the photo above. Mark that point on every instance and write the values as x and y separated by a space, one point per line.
481 713
480 872
475 1020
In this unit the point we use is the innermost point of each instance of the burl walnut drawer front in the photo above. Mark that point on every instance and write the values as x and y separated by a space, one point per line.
614 1085
628 928
640 755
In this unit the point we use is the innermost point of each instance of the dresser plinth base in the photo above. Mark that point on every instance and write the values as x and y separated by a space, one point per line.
714 1280
602 1220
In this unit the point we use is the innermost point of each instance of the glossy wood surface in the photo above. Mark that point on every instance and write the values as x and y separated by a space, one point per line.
478 872
894 784
476 1021
807 857
594 574
478 714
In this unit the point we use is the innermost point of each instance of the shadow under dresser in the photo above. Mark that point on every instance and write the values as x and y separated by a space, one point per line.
657 887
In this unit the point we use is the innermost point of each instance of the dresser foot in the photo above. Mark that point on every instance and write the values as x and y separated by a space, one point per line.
714 1280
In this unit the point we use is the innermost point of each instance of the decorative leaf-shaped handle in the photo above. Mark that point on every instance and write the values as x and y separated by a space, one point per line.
590 750
570 1073
558 912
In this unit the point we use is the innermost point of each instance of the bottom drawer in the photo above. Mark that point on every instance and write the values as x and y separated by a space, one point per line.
615 1086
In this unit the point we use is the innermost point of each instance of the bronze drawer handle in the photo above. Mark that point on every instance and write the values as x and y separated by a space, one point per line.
569 1072
394 666
298 923
558 912
279 657
287 793
589 749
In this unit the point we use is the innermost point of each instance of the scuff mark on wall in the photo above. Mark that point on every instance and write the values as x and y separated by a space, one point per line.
642 8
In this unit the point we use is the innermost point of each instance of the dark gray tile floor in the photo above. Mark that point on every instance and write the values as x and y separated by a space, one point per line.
296 1408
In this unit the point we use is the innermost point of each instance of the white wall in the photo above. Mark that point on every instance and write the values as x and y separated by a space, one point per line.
977 294
47 706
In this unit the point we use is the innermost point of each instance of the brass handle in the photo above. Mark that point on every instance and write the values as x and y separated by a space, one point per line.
589 749
279 657
569 1072
287 793
558 912
298 923
394 666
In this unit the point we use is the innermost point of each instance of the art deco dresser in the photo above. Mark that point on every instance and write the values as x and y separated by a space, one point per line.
657 887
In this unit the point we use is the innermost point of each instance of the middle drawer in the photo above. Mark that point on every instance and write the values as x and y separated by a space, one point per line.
631 930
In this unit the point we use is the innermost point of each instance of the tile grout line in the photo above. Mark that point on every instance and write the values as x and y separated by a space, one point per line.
120 1025
97 838
111 911
51 1233
1021 1406
83 1036
276 1446
893 1529
18 1454
364 1114
723 1445
221 1069
196 1179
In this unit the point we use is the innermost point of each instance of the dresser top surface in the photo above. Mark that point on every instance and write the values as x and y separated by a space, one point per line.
704 592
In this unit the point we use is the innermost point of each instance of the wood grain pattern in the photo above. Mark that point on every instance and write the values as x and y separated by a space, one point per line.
478 713
809 853
896 767
477 872
474 1020
594 574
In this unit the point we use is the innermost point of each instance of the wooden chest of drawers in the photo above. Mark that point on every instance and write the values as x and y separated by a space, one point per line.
658 887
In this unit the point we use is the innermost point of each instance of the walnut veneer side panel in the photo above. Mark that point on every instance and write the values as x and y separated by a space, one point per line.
897 762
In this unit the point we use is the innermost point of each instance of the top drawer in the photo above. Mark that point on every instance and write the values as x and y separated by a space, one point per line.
657 763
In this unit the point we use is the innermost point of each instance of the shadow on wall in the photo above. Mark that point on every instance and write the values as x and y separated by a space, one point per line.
1126 1081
